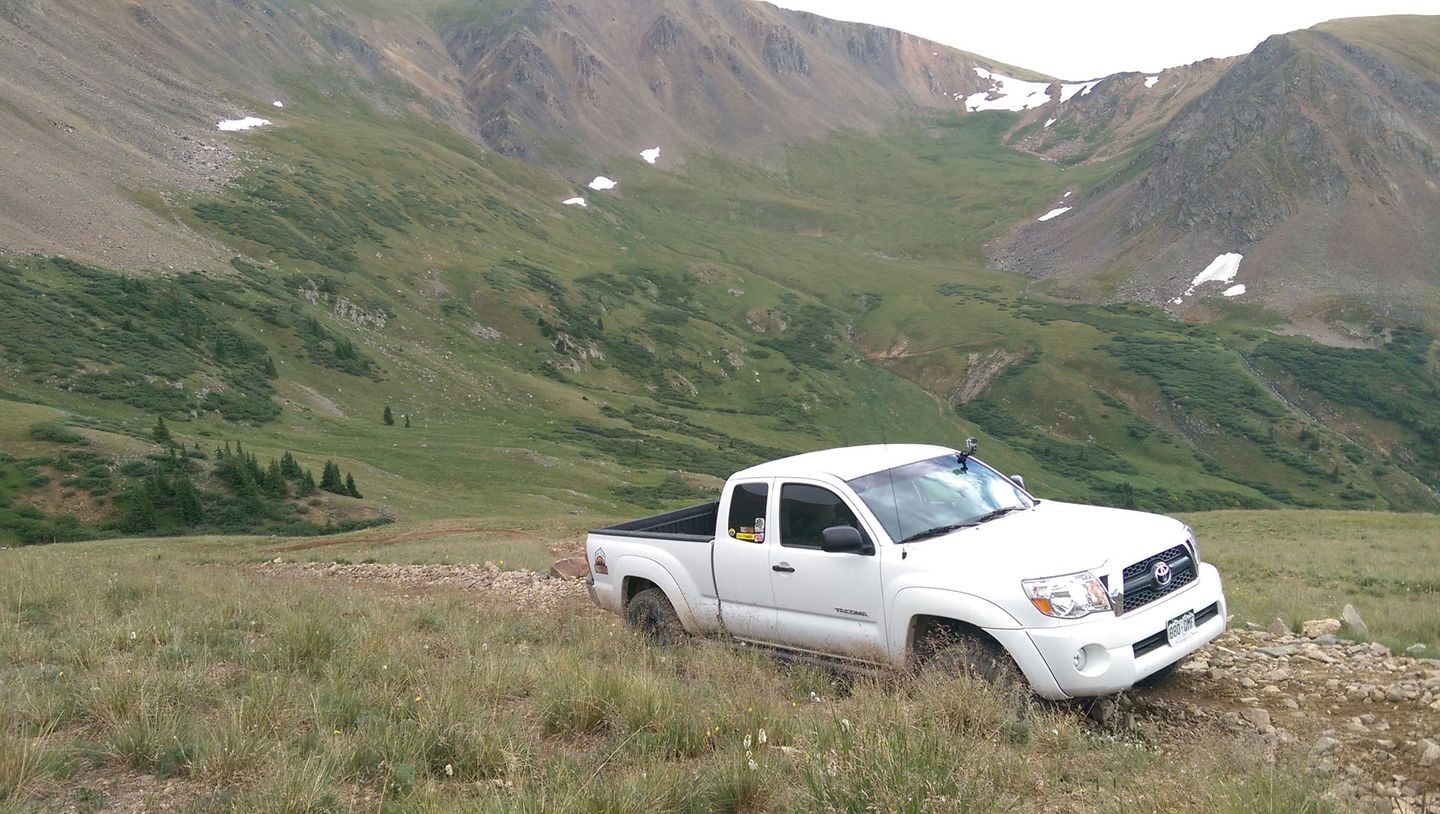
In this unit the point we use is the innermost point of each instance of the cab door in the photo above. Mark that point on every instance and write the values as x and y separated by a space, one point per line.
825 602
741 562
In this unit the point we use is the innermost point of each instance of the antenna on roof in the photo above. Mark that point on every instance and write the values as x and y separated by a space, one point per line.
894 499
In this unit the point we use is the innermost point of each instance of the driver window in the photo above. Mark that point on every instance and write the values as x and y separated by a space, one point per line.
806 511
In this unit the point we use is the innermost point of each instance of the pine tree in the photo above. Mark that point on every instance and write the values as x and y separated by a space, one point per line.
270 371
330 478
407 420
388 417
307 484
288 466
350 485
275 485
140 514
187 502
161 433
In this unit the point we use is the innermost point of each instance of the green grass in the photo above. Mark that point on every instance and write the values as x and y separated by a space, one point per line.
260 693
1299 565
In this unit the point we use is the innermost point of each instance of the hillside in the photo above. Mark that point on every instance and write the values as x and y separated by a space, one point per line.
375 246
1314 157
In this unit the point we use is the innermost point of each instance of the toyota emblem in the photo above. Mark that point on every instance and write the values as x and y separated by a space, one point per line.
1161 573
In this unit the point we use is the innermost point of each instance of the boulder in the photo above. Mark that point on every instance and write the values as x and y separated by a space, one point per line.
1258 718
1354 623
1429 752
1315 628
570 568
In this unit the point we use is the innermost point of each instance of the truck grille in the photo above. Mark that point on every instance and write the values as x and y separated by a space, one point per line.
1140 586
1156 641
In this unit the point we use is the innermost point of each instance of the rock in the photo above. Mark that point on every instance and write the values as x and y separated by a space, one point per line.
1102 711
1316 628
1327 638
1325 744
1415 649
570 568
1279 650
1354 623
1278 627
1257 718
1429 752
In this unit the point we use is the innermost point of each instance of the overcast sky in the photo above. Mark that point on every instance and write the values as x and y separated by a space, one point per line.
1085 40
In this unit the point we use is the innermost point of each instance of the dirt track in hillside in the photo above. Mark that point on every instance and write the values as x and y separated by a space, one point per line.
1366 719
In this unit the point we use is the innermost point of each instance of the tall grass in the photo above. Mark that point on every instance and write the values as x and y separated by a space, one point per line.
251 693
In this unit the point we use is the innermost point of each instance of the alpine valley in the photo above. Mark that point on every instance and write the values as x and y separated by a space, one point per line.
591 257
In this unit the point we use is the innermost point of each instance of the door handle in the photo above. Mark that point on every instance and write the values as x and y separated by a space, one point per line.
783 568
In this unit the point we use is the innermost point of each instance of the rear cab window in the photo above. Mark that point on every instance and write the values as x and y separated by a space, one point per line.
747 512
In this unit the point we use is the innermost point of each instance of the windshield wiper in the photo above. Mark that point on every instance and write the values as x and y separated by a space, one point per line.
985 518
939 530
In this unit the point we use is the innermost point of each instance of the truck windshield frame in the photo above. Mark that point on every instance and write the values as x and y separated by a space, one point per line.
937 494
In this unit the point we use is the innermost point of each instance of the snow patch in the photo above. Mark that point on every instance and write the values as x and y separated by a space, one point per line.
1054 213
1009 93
651 155
231 125
1221 270
1151 80
1067 193
1070 89
1177 301
574 202
1049 121
601 182
278 103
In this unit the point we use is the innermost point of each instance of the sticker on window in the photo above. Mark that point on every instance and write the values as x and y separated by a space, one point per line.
759 535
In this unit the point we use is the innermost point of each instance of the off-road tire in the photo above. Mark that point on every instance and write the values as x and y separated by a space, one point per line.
651 613
976 656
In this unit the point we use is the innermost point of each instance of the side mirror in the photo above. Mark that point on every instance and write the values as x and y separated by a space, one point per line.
844 540
1019 481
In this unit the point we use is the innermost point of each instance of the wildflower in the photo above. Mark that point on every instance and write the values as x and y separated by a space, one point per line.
449 770
417 699
752 764
845 724
747 741
760 737
132 635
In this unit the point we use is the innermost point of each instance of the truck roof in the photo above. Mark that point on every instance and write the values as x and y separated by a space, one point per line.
845 463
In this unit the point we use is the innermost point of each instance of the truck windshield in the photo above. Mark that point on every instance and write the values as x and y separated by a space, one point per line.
928 498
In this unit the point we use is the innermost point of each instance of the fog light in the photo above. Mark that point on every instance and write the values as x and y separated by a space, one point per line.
1080 658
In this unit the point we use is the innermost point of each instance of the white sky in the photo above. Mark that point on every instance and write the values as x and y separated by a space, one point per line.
1085 40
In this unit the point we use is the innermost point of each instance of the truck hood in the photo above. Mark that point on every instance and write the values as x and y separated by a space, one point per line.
1050 539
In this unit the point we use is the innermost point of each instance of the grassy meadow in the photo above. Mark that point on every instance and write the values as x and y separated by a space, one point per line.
184 675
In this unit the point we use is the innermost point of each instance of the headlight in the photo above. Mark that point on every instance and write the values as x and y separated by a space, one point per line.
1068 597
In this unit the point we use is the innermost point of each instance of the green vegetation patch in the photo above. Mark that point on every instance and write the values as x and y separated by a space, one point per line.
159 345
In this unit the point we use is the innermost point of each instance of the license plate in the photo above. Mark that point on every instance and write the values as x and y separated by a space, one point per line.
1180 628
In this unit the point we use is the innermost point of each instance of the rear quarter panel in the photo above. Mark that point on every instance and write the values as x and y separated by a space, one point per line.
679 568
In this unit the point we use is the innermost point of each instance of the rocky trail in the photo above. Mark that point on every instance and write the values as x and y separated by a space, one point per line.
1366 718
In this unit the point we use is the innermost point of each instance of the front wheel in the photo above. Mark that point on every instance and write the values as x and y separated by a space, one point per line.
978 657
651 613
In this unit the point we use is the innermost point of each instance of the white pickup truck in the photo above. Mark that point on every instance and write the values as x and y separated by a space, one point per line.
895 554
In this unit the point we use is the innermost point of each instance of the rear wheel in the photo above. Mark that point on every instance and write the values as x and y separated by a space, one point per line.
651 613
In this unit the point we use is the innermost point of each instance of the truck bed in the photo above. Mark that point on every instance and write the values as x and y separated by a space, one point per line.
691 524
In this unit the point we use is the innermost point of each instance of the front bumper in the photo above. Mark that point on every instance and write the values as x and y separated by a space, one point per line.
1119 650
